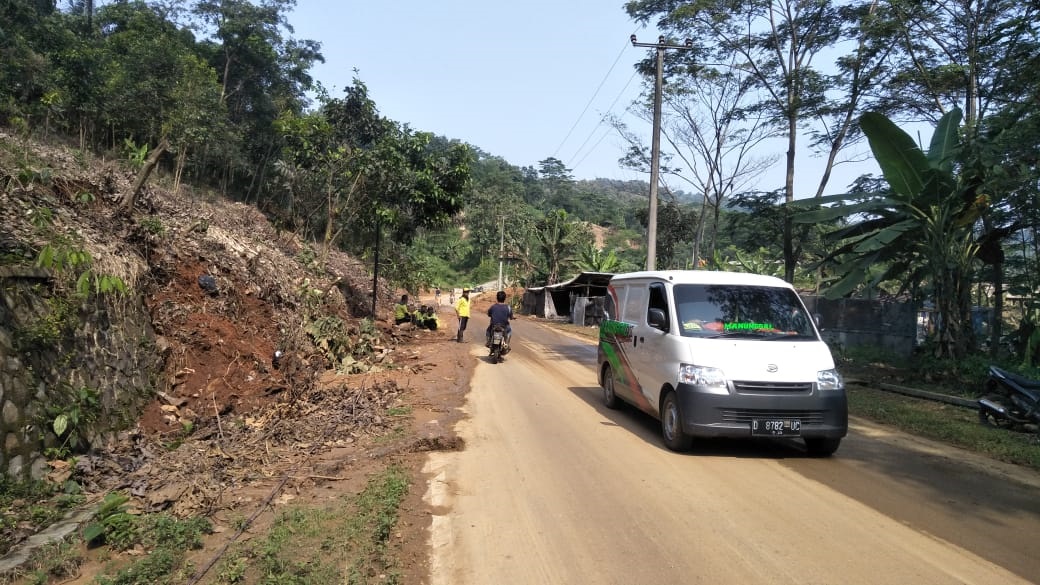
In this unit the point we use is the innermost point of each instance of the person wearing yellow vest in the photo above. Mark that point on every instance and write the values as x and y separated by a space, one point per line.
462 310
401 312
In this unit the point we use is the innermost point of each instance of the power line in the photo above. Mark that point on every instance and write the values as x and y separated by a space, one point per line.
601 119
580 116
591 150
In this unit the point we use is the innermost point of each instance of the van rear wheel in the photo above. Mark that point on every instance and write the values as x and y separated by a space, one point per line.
610 399
671 425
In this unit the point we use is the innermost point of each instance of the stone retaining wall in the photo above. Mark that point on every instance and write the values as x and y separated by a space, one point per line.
50 349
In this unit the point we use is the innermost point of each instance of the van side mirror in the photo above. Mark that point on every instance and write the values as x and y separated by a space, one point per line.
657 319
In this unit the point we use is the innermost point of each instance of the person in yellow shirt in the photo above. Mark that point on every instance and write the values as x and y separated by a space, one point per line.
462 310
401 312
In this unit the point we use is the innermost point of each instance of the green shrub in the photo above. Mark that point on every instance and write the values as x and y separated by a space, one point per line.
112 524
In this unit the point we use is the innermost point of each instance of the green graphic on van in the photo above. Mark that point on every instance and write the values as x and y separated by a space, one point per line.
609 327
746 326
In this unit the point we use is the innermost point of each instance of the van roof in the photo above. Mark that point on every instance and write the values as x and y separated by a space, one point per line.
702 277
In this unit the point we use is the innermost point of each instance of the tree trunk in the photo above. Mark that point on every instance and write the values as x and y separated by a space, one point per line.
182 157
149 165
790 259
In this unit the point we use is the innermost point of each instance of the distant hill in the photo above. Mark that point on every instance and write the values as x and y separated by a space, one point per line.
630 191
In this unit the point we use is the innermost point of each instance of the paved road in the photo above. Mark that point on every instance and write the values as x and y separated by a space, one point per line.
554 488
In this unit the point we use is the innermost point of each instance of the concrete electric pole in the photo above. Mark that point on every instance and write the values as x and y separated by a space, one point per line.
501 248
655 147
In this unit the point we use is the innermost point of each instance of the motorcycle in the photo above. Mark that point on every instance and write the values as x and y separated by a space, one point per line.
499 343
1010 401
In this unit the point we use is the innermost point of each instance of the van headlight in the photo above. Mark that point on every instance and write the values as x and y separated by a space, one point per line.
701 376
829 380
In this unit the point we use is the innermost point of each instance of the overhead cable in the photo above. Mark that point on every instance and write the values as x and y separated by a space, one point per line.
604 80
601 119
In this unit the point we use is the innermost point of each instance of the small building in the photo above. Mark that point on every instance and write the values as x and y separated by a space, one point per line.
578 300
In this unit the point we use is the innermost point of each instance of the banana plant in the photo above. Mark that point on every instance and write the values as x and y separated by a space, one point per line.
919 228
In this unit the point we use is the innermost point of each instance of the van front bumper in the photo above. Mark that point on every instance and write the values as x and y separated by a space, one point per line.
705 414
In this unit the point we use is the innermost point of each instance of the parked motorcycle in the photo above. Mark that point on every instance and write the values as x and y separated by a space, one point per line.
499 343
1010 401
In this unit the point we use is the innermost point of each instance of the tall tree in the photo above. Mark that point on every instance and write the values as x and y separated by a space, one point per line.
28 31
713 121
777 42
559 241
708 122
262 73
495 209
553 186
778 46
368 177
144 60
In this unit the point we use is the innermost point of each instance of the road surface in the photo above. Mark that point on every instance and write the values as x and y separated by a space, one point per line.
553 488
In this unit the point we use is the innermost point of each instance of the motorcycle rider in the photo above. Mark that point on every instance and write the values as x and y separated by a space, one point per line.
500 314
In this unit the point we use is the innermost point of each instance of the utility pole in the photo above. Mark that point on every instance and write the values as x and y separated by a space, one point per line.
501 247
655 147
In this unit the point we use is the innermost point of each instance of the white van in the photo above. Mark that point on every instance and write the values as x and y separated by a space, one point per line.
720 354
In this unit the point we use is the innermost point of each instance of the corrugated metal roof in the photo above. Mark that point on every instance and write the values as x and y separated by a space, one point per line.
581 280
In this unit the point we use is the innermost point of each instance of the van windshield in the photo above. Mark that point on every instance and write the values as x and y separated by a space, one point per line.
758 312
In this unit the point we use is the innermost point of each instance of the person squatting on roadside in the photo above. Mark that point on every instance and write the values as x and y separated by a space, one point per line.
500 314
462 310
425 318
401 312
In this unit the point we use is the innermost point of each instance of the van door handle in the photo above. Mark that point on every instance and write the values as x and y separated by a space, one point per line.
635 341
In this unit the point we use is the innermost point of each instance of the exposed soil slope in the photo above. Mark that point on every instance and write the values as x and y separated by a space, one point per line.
231 427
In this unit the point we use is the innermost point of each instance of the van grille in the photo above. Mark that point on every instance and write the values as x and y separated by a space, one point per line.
744 415
747 387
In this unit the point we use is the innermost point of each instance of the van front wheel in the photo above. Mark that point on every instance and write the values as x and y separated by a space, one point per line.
671 425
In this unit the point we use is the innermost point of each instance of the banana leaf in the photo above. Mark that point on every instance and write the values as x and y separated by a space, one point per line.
830 213
945 141
884 237
864 227
901 161
845 285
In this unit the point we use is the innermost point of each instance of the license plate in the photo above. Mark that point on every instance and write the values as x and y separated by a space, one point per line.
776 427
496 338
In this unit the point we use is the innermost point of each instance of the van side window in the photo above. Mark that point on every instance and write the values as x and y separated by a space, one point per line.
658 300
634 307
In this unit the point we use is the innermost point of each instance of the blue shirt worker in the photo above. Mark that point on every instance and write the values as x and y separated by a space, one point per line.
500 314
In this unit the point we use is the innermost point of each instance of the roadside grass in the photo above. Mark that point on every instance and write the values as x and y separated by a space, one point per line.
33 504
161 543
166 541
347 542
58 561
954 425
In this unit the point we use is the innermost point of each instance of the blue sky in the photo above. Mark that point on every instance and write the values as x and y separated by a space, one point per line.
521 80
